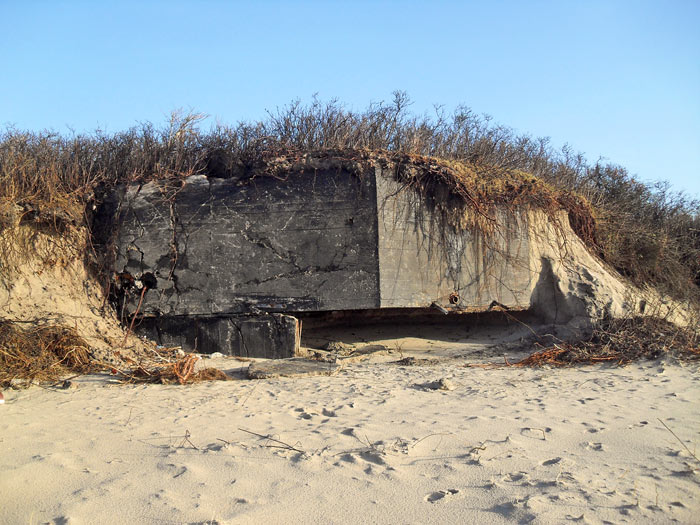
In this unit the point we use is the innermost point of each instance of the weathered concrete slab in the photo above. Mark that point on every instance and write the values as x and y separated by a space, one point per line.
296 367
422 260
346 354
271 336
228 246
328 240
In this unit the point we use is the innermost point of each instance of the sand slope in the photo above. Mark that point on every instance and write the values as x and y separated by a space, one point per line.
377 445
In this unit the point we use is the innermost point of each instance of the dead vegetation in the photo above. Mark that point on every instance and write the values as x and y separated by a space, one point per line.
621 341
40 354
36 354
176 371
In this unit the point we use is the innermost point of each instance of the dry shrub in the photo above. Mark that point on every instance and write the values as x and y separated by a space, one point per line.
40 353
210 374
622 341
648 233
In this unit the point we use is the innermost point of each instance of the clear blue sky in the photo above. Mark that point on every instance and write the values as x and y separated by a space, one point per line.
614 79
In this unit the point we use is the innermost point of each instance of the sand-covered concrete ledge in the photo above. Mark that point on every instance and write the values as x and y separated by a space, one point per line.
294 367
505 445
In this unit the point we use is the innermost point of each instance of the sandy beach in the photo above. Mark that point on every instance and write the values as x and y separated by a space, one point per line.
376 443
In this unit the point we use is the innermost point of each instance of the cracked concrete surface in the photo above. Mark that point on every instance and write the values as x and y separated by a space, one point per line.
226 252
220 246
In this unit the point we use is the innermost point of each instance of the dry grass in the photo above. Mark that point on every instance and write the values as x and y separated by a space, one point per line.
476 192
621 341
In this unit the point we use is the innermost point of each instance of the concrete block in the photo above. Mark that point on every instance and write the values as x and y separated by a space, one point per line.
272 336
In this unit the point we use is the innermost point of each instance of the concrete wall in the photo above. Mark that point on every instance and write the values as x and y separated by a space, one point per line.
271 336
226 246
422 260
324 240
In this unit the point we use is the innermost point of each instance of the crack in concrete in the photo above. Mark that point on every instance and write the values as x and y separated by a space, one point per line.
240 334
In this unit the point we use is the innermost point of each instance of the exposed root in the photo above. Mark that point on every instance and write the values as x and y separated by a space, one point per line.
181 372
40 353
35 354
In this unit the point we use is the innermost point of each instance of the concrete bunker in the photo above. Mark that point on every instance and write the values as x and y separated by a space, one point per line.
231 263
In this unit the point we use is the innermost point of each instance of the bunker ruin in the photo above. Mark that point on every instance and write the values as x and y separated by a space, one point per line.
228 264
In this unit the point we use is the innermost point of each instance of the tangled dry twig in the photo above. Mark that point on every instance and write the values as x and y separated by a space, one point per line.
622 341
31 353
181 371
40 353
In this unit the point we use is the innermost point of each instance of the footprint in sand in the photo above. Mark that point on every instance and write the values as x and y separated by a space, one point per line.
594 446
172 468
372 456
513 512
582 518
641 424
591 429
303 413
441 495
369 456
516 476
348 458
